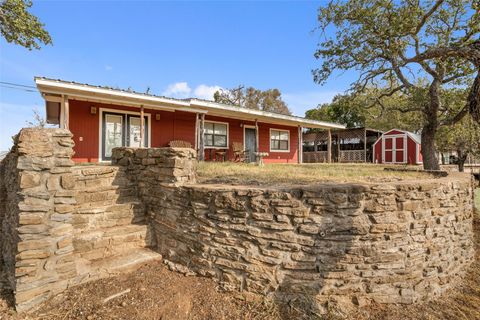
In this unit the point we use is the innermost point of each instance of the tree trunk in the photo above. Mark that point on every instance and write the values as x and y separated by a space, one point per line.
430 160
462 157
429 153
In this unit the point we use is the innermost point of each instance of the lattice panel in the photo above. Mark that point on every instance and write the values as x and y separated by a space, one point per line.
352 156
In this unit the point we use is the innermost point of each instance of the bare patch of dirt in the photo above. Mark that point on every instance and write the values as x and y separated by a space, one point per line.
154 293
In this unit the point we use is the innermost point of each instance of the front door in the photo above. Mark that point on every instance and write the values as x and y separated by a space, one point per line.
250 143
119 130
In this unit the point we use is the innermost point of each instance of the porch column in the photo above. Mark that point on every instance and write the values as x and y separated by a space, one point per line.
142 124
201 147
329 146
196 132
300 144
64 113
256 137
365 145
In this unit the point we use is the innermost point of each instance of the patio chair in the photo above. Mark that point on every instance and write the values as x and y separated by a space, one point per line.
179 144
239 152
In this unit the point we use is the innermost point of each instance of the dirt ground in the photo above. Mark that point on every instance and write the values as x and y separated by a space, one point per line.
157 293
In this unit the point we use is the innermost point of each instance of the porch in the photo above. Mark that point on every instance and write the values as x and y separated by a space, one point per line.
347 145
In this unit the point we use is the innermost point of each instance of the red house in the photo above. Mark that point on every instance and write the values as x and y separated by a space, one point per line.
102 118
398 147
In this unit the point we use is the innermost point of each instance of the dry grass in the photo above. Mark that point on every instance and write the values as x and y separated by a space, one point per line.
242 173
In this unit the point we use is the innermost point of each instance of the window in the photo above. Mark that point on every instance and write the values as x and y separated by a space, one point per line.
216 134
279 140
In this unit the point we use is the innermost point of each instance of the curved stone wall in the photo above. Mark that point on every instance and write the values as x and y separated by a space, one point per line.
388 243
63 225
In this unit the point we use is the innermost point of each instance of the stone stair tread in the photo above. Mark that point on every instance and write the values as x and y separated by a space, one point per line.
127 261
112 231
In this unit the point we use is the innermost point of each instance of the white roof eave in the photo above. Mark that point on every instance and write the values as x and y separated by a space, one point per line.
292 120
84 91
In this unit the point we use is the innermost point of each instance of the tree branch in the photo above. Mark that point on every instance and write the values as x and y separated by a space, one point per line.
427 15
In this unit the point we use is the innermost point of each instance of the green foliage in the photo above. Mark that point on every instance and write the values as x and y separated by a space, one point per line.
350 110
414 48
20 27
269 100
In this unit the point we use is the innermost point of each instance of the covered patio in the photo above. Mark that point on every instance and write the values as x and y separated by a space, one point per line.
342 145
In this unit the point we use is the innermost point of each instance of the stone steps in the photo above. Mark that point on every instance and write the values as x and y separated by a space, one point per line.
108 215
127 261
106 242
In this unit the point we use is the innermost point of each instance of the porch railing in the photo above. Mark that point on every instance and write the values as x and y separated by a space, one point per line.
343 156
351 156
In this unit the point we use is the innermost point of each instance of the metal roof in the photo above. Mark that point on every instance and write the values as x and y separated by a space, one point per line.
83 91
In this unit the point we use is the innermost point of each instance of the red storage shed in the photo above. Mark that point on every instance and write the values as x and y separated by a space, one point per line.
398 147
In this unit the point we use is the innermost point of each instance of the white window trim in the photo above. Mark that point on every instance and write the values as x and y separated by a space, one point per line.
270 140
228 135
100 127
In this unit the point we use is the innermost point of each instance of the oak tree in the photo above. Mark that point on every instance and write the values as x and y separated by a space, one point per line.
264 100
398 45
20 27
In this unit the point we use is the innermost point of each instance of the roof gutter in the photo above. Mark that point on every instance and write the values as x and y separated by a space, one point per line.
259 114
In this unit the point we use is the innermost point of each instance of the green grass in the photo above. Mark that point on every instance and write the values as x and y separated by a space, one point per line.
270 174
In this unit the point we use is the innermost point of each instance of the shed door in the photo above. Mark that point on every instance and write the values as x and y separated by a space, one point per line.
399 149
395 149
388 150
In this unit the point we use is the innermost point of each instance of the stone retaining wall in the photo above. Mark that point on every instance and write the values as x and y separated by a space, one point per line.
388 243
63 225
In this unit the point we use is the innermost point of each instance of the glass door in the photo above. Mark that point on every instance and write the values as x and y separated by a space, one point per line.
113 134
133 137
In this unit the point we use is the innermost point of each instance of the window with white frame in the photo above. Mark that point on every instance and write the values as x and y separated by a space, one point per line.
279 140
216 134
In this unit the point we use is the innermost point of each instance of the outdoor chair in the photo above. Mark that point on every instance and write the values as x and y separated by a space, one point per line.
179 144
240 154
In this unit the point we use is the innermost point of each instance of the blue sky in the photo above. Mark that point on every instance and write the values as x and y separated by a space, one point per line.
177 49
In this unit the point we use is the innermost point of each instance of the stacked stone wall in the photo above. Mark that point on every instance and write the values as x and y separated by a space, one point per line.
64 224
389 243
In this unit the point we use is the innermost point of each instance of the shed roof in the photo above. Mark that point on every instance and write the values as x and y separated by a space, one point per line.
53 89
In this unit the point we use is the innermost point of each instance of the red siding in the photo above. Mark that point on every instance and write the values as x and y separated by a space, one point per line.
412 151
236 132
171 126
378 152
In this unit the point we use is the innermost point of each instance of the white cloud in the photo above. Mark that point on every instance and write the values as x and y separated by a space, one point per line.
178 90
183 90
303 101
108 68
206 92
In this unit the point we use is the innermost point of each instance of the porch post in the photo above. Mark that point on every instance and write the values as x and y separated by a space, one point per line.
300 144
196 132
201 148
365 145
142 124
256 137
329 146
66 113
